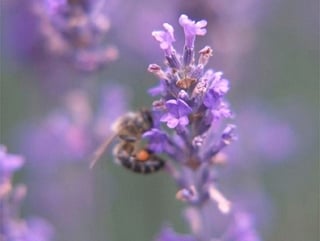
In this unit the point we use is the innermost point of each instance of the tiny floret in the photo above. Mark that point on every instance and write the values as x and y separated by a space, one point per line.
177 114
191 29
9 163
157 140
165 38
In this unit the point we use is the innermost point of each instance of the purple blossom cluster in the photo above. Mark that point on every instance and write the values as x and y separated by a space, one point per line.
12 226
187 130
76 28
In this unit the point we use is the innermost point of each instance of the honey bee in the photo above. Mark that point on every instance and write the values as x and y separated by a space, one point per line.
130 151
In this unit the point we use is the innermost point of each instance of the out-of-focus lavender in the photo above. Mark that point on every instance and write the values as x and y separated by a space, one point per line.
261 127
60 147
12 226
192 107
76 29
70 133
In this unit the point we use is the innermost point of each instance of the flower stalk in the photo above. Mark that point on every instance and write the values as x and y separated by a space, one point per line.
187 117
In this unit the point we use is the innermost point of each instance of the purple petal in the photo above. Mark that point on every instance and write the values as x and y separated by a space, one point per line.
172 106
183 121
165 38
148 134
157 140
9 162
157 90
221 111
183 108
172 123
171 120
191 29
166 117
211 99
221 87
228 134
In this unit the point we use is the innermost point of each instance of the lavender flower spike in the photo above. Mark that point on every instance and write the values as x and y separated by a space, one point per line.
191 100
191 104
12 227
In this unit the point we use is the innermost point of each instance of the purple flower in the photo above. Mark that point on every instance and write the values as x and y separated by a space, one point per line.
193 97
165 38
191 103
12 226
191 100
217 107
177 114
191 29
218 85
228 134
157 90
211 99
9 163
157 140
76 30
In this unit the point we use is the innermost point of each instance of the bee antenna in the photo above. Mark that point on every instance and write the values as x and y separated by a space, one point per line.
101 149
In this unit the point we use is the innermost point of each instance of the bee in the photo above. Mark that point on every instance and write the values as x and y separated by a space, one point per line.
130 151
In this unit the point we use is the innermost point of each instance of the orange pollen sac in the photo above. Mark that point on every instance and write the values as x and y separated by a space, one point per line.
143 155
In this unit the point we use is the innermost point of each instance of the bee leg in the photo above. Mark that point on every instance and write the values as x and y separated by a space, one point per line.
128 138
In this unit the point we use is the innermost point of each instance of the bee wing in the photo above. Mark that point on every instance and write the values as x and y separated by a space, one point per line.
100 150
